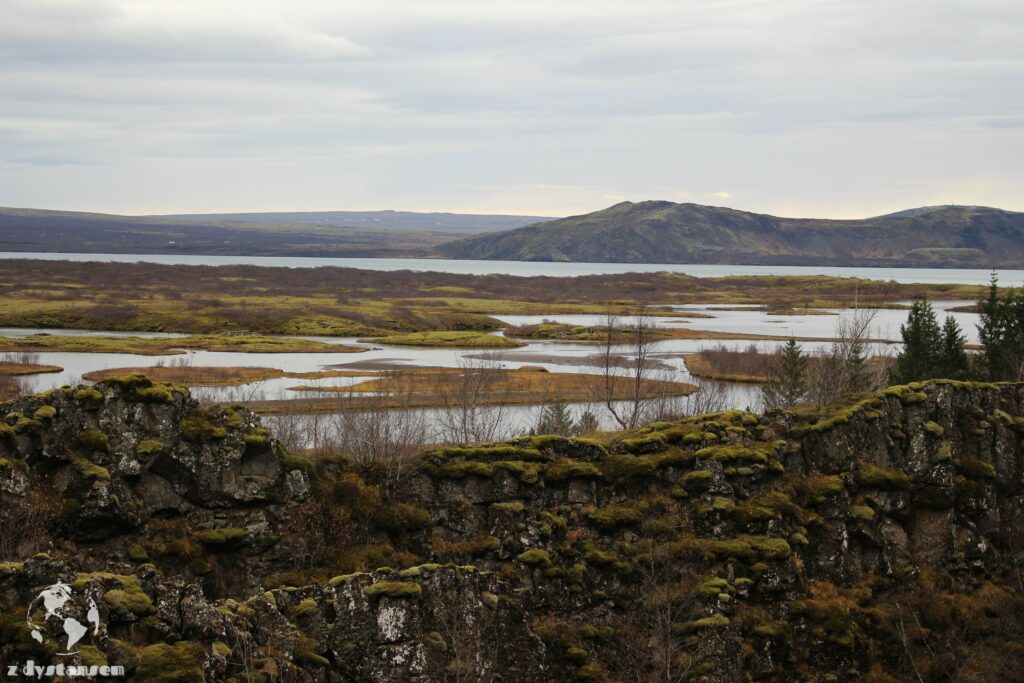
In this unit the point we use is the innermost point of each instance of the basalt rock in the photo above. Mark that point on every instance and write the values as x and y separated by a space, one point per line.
876 540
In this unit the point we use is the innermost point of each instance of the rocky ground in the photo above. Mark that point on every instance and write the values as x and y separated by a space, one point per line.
879 540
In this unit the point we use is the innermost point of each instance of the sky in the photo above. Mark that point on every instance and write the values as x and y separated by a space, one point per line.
825 108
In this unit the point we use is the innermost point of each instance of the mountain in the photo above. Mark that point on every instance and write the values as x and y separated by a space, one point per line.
665 232
331 233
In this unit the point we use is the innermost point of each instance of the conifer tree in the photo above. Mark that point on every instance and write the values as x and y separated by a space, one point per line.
787 378
1002 334
952 360
922 345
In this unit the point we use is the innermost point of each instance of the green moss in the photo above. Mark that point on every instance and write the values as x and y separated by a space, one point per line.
197 428
138 554
972 468
305 608
601 558
872 477
88 469
734 454
764 507
528 472
934 428
291 462
93 439
178 663
221 649
697 480
45 413
126 602
614 516
512 507
775 630
745 548
394 589
571 469
223 539
148 447
160 393
458 470
92 656
712 622
88 394
713 587
862 512
646 443
11 567
534 556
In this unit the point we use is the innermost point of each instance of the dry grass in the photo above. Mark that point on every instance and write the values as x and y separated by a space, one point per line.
197 376
168 346
729 366
18 369
427 387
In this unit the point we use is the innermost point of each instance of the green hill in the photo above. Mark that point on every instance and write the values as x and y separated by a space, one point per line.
665 232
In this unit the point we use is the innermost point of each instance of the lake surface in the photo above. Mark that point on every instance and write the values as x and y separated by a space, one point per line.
534 268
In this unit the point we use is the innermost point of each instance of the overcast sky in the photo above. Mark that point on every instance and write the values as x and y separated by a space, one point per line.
832 108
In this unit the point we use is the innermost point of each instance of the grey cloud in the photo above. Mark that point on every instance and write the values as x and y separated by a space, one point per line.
821 107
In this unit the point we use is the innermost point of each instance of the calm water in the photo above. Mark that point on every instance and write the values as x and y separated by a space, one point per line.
531 268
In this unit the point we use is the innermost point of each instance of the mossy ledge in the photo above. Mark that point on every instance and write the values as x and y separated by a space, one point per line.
789 546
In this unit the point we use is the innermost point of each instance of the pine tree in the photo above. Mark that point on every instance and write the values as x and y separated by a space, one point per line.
952 359
787 378
858 374
555 418
922 345
991 331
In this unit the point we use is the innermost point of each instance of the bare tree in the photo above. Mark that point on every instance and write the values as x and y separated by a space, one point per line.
624 382
472 407
847 365
381 431
653 644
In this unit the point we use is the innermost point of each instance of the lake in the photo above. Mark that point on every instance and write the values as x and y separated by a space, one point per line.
534 268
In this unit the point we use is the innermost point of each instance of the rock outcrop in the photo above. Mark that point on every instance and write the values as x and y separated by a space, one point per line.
878 540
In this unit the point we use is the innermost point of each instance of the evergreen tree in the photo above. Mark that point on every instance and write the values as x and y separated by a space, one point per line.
787 378
1002 334
922 345
991 330
952 360
556 418
858 374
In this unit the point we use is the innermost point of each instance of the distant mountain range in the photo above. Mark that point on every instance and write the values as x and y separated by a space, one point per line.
643 232
665 232
328 233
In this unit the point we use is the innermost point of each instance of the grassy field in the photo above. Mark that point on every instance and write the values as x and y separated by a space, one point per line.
19 369
597 334
447 339
198 376
167 346
206 300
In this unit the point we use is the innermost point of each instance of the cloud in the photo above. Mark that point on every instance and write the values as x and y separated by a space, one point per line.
809 106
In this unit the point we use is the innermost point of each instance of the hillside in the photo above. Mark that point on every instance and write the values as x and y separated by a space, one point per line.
879 540
664 232
330 233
